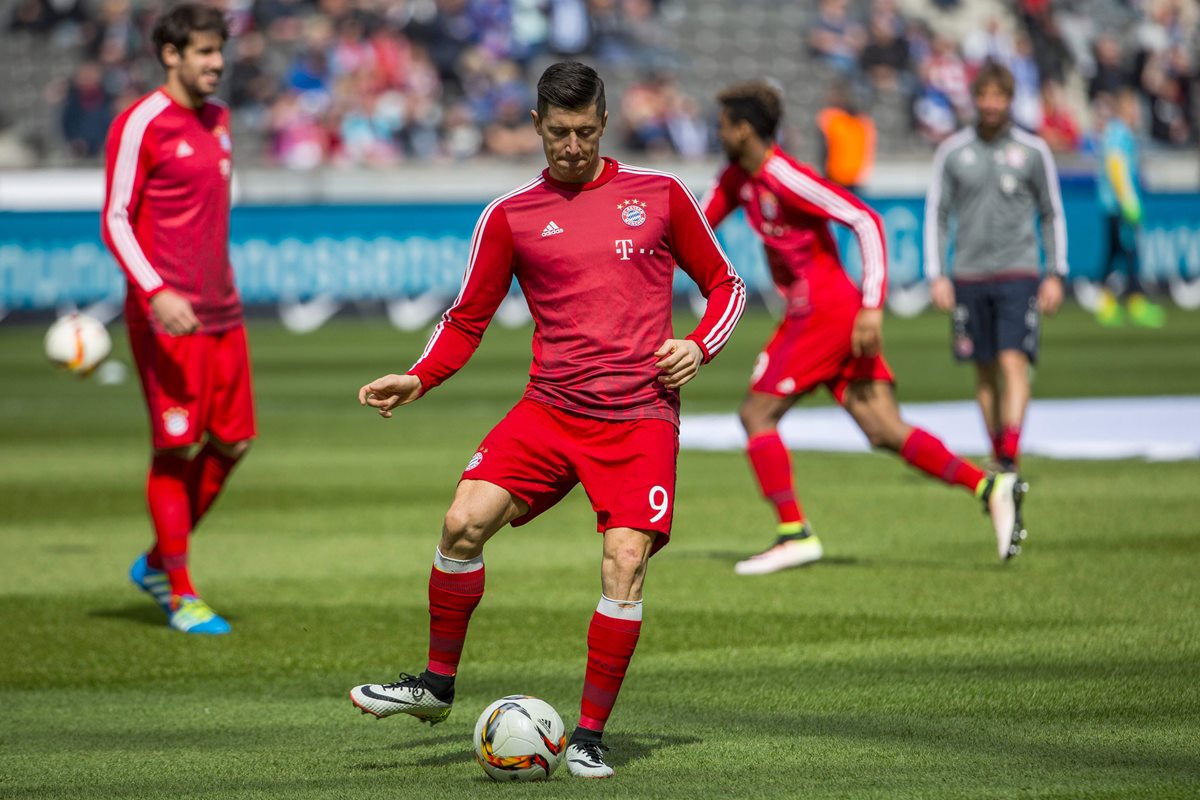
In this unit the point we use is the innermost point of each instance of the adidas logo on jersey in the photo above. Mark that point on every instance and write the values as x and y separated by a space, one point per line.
184 150
551 229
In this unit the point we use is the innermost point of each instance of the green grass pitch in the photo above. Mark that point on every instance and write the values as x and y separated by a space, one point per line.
909 664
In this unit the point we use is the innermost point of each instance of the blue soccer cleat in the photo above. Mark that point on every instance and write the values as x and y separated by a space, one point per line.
190 614
153 582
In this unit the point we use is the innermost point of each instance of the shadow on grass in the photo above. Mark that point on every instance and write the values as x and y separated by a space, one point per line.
143 613
733 556
626 749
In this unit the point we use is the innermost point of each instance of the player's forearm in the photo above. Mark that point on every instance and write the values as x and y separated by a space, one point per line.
449 349
1055 263
726 302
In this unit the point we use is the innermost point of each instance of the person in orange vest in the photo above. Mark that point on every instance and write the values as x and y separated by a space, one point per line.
847 138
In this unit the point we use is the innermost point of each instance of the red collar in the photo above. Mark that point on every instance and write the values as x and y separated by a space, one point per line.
607 174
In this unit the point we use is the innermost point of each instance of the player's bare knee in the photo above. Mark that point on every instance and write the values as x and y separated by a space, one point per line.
464 530
756 418
1014 365
986 373
234 450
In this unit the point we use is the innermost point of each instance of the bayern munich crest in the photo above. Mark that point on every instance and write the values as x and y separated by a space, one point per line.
633 212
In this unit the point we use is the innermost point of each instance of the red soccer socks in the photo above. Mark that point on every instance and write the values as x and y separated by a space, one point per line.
455 589
206 476
928 454
612 638
170 510
1009 444
772 467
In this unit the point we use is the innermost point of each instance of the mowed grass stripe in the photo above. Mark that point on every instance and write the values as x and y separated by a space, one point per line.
910 664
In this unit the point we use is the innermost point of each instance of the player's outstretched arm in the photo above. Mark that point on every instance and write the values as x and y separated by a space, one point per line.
390 391
678 360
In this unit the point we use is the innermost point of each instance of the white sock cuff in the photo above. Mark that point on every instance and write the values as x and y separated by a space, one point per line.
454 566
620 609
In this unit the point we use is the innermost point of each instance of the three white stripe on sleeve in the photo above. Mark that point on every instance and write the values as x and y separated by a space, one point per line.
124 174
870 240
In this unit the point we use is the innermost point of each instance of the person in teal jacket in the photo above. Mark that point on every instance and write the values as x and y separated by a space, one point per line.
1120 200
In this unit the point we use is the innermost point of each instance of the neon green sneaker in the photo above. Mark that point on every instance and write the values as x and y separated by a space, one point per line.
190 614
1108 311
1144 313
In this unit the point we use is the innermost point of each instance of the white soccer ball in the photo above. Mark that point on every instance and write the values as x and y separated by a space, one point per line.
519 738
78 343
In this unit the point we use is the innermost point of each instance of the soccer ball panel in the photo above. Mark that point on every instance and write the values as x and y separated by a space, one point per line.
519 738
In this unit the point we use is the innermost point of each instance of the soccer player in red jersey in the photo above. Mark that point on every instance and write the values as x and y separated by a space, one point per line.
166 221
831 333
593 244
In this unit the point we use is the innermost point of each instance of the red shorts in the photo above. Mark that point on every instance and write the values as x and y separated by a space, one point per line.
627 467
813 349
194 385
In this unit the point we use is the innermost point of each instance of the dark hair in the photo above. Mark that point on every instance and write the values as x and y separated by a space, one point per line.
177 26
993 74
755 102
570 85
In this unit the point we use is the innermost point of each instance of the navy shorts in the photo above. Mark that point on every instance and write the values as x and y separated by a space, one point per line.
990 316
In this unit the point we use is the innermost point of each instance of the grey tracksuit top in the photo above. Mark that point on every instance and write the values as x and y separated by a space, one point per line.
993 190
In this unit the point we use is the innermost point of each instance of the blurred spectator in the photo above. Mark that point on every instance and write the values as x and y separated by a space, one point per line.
570 31
298 141
885 56
370 124
1050 49
947 73
847 138
1166 80
687 129
989 43
462 134
934 113
45 16
834 37
86 112
510 134
1111 74
250 86
659 118
887 13
1059 128
375 81
643 114
1027 99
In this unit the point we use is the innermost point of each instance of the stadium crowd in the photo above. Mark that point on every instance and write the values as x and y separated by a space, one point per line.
372 82
378 82
1150 45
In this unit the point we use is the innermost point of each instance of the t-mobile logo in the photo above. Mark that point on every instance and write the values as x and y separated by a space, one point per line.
625 248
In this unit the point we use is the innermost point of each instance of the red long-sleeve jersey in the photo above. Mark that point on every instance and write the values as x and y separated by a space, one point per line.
790 208
166 207
596 263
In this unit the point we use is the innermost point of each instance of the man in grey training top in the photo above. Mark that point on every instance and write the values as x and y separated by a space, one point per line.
993 179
